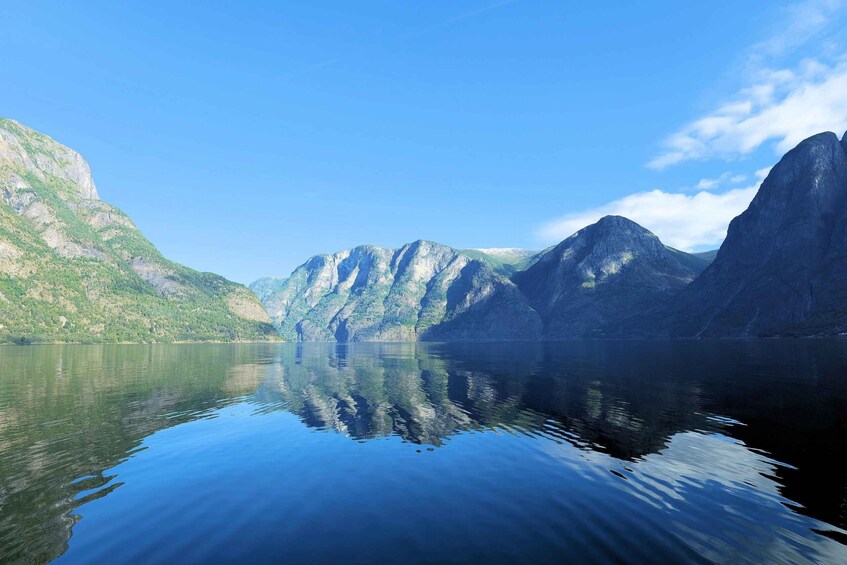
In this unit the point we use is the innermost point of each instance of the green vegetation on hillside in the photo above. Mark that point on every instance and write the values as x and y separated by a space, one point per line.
75 269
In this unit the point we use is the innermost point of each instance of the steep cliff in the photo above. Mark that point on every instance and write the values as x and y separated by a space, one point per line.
422 291
74 268
782 269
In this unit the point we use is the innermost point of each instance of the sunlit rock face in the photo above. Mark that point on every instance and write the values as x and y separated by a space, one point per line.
23 151
783 266
603 275
422 291
75 269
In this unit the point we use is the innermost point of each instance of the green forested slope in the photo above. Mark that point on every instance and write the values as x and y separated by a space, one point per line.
74 268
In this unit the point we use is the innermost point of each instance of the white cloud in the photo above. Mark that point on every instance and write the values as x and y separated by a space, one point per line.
684 221
785 106
800 23
782 102
709 184
706 184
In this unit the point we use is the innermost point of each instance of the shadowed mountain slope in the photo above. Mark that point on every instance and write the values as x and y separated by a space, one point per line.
607 272
782 269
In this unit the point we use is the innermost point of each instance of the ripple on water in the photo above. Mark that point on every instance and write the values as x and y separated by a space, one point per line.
632 452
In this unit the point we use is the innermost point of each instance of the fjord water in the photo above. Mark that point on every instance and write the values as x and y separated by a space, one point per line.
540 452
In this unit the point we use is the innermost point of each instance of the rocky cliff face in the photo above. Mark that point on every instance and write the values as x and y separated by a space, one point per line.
266 287
422 291
24 152
603 275
782 269
74 268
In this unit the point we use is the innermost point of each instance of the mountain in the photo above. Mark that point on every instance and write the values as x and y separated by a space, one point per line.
73 268
782 269
602 275
266 287
504 260
422 291
707 256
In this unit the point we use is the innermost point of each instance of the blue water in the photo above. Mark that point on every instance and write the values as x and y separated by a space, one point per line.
561 452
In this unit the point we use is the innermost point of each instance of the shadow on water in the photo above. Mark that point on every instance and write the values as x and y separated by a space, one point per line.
69 415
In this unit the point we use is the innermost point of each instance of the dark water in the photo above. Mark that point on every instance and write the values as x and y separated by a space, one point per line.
577 452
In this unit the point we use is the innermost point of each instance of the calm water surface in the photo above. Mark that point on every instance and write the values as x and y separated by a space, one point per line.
560 452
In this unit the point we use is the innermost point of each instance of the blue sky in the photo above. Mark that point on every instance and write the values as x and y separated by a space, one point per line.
243 139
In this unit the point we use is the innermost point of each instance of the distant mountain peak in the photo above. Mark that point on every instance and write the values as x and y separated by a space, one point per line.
603 246
422 291
617 226
608 271
612 220
503 250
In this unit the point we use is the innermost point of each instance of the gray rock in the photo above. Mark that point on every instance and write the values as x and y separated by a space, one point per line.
22 148
602 276
422 291
782 269
164 280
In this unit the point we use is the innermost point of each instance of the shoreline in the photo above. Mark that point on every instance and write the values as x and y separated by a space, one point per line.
211 342
566 340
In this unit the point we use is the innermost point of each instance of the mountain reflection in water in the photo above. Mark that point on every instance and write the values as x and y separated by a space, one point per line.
426 394
572 450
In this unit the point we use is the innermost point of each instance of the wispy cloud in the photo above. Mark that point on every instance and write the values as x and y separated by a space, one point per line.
786 106
726 178
781 104
684 221
799 23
